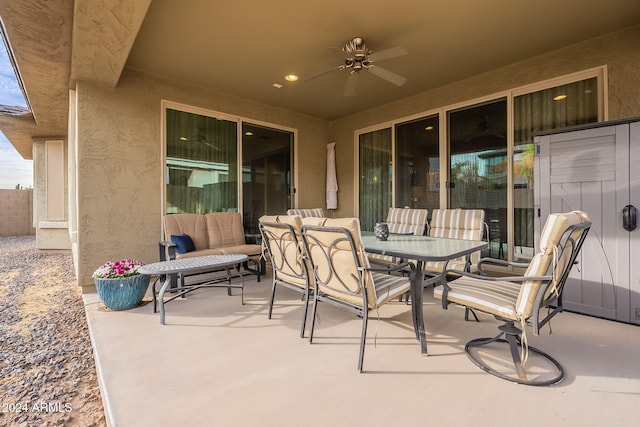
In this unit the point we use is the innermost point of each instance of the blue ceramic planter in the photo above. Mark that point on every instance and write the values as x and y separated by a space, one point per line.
122 293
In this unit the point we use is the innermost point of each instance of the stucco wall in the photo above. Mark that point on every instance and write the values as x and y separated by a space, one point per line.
620 51
118 135
119 167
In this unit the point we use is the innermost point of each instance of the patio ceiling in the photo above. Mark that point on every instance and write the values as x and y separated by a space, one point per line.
242 48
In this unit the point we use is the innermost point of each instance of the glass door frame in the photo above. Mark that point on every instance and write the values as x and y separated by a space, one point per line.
239 120
600 73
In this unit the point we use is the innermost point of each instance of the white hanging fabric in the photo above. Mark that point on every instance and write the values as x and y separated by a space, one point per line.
332 180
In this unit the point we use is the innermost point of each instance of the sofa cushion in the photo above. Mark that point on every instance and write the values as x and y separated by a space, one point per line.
224 229
183 243
186 223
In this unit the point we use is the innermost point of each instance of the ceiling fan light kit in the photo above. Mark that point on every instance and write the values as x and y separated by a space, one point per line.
358 57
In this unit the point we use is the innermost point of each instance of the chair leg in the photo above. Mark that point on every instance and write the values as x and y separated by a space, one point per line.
304 315
273 295
313 319
467 310
363 338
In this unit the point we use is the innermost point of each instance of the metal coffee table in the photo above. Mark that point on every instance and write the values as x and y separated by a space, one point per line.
187 265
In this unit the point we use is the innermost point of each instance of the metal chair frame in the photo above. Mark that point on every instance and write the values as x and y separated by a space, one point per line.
512 334
359 288
282 263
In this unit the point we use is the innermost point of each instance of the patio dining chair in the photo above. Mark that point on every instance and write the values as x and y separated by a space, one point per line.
402 221
456 224
281 241
304 213
343 276
517 301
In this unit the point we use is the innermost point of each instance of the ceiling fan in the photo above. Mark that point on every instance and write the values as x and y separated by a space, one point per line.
358 57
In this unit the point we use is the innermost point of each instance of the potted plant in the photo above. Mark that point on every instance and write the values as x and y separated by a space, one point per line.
119 284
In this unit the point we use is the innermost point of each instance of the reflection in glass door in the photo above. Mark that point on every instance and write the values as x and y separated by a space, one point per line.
560 106
418 164
266 173
375 177
478 167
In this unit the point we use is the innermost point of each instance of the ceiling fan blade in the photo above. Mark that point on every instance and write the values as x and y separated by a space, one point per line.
389 76
322 73
350 86
389 53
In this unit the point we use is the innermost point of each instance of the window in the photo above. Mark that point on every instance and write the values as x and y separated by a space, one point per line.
202 163
202 175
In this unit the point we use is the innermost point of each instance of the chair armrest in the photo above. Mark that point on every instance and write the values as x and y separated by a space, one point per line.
394 267
167 249
500 262
493 279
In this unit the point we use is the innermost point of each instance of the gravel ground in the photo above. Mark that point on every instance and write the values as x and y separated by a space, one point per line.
47 371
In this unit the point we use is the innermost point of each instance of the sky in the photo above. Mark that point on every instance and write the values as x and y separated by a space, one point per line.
14 170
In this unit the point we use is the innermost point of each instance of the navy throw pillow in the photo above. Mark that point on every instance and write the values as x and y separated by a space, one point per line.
184 243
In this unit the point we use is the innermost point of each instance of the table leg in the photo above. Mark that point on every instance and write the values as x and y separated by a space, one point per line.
416 307
163 289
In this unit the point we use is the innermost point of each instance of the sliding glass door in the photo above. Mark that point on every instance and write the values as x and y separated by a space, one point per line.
478 166
560 106
375 177
266 173
417 172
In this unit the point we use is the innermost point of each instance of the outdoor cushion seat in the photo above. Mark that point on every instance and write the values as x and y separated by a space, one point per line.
213 233
517 301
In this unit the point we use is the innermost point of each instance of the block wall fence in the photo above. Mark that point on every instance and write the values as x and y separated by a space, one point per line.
16 213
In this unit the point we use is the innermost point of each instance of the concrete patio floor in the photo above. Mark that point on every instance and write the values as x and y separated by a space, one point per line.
219 363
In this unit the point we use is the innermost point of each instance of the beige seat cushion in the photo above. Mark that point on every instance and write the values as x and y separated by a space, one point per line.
494 297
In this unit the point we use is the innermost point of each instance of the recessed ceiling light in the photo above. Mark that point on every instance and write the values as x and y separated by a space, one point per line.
429 128
183 138
291 77
249 133
277 85
559 97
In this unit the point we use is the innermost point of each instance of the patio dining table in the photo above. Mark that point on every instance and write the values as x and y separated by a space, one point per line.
421 249
176 267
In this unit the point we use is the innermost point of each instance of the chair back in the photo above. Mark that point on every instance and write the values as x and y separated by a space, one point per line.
313 212
224 229
339 263
560 242
407 221
281 240
457 224
191 224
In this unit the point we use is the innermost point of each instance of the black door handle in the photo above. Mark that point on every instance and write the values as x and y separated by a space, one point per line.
629 215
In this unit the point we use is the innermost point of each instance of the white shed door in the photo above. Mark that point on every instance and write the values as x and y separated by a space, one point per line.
588 170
